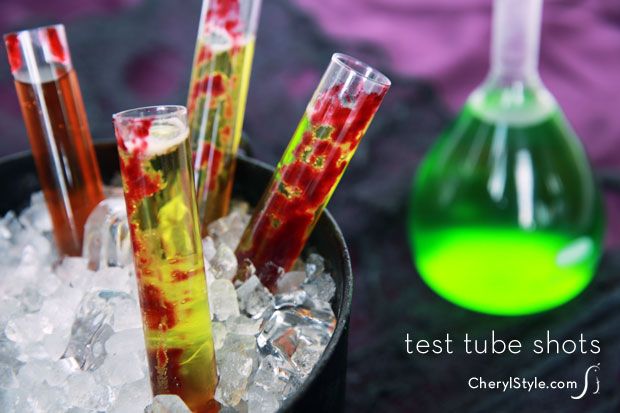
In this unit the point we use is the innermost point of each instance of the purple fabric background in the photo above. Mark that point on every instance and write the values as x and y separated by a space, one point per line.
131 53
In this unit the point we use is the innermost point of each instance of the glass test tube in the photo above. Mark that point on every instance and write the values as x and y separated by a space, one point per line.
155 159
51 103
217 98
336 118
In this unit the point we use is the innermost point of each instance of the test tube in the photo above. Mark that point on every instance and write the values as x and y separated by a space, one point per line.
335 121
53 111
155 160
217 98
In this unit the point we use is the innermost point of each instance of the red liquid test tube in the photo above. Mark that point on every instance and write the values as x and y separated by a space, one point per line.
53 110
330 131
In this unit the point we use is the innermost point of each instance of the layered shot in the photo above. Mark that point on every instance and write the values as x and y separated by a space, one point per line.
326 138
217 99
155 159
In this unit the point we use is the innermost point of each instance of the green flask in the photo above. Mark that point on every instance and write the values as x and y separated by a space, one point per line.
505 216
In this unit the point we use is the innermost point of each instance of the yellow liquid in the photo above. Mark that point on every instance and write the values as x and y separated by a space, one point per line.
216 108
506 271
171 278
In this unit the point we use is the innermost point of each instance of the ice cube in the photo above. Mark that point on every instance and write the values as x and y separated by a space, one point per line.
54 373
279 335
290 281
261 401
37 214
219 334
23 272
235 361
127 315
30 299
229 229
40 398
83 391
132 397
106 235
223 300
92 327
11 226
9 352
254 298
243 325
218 228
209 275
28 242
316 311
126 341
13 401
112 278
321 287
306 356
7 377
224 263
48 283
55 344
169 403
9 308
291 299
208 248
28 328
315 265
283 331
277 375
74 272
62 305
121 368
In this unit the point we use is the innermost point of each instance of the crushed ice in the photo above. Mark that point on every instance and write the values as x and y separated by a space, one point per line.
71 333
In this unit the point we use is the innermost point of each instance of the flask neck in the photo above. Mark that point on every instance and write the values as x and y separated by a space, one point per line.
515 44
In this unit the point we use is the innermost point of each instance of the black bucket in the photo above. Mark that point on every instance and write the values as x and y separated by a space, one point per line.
324 389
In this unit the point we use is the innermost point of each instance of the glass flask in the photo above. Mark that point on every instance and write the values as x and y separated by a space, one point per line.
505 216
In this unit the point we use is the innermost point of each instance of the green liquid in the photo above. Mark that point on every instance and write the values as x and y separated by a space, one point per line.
506 218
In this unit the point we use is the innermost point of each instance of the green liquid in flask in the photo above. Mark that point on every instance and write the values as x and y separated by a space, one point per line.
505 216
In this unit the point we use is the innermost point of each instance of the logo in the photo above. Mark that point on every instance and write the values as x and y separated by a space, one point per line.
586 382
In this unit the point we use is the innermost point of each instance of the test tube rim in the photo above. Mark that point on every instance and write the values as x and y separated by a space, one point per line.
361 69
34 30
158 111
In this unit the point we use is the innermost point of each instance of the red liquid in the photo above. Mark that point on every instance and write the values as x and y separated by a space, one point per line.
304 181
64 155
